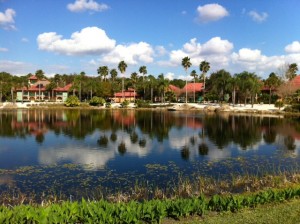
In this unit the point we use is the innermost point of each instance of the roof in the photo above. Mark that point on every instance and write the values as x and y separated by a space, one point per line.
63 89
33 77
173 88
190 87
296 81
126 94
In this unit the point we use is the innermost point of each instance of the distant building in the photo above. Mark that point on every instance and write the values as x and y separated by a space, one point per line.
192 88
36 90
129 95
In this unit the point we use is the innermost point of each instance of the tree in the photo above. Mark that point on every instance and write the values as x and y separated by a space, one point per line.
134 77
143 70
151 83
204 68
162 85
220 82
272 82
292 71
194 75
103 71
40 74
122 68
249 85
186 63
113 74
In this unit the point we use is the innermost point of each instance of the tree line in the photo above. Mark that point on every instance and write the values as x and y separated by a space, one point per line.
244 87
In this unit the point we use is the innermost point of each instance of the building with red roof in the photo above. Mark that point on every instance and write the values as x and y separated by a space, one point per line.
129 95
36 90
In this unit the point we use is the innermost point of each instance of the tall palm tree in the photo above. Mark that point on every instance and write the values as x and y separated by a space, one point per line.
162 85
113 75
103 71
143 70
272 82
204 68
122 68
186 63
134 77
194 75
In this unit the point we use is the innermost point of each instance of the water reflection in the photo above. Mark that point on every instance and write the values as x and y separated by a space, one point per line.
95 138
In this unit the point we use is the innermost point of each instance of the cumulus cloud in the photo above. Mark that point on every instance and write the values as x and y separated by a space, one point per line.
86 5
90 40
211 12
216 50
293 47
258 17
7 19
132 54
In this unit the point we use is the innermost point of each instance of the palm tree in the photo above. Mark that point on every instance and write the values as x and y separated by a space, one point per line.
143 70
186 63
103 71
163 84
151 83
194 75
113 74
122 68
204 68
272 82
134 77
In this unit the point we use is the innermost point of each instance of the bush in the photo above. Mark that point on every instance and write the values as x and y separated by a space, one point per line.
142 104
279 104
125 103
97 101
72 101
295 108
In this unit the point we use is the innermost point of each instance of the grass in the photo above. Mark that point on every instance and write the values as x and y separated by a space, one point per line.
287 212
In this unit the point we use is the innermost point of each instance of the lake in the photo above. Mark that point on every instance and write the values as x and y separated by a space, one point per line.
76 152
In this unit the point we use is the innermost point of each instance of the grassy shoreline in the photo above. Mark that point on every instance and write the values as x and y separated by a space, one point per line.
152 211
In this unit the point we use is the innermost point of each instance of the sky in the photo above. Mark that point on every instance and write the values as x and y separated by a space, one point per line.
71 36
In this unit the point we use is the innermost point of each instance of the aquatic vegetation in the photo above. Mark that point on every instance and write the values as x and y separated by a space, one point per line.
153 211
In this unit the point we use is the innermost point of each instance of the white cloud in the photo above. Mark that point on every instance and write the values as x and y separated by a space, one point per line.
170 75
16 67
211 12
247 55
216 50
86 5
160 50
131 54
293 47
2 49
90 40
217 46
7 19
258 17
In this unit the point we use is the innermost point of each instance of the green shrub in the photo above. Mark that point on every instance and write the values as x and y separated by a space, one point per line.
125 103
97 101
72 101
279 104
294 108
142 104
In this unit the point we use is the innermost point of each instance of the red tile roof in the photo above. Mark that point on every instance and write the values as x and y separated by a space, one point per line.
33 77
175 89
191 86
63 89
296 81
126 94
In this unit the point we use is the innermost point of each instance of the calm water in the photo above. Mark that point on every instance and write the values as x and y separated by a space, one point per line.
69 151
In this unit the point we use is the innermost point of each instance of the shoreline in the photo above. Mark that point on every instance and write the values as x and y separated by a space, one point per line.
204 107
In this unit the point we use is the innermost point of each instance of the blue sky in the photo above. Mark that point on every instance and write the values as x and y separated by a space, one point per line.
70 36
